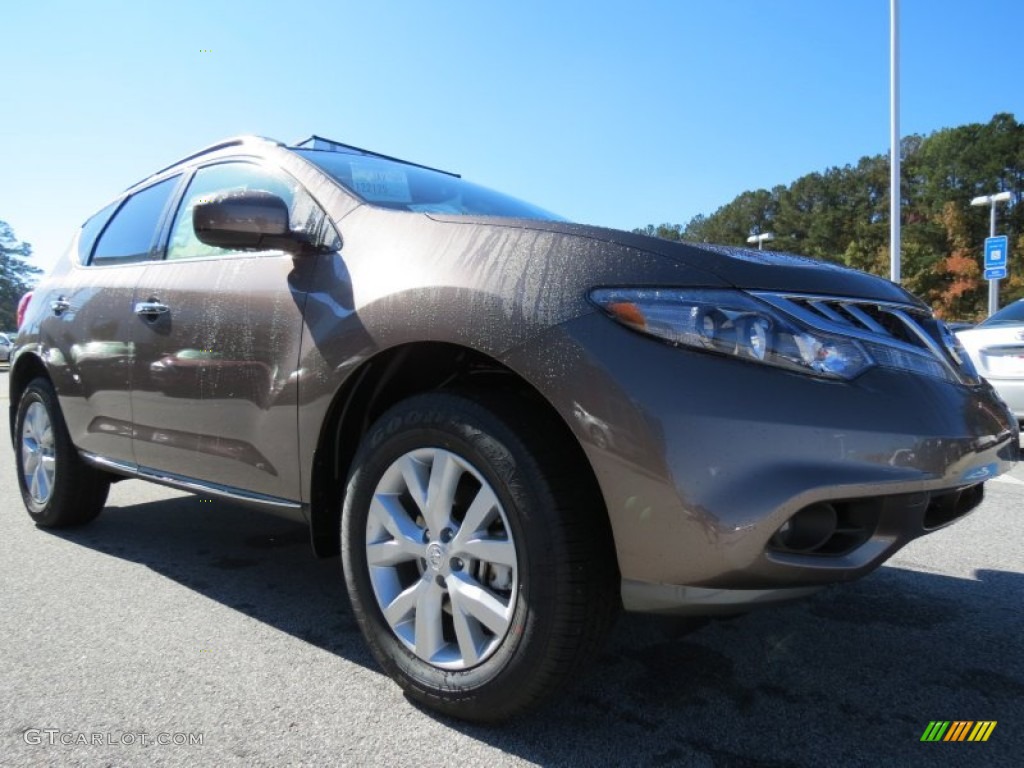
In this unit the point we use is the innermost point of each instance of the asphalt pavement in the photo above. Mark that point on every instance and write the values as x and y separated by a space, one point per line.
181 631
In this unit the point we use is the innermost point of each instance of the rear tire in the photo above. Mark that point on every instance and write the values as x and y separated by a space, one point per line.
58 488
479 563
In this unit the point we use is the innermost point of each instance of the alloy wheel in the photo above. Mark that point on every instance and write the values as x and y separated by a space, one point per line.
38 456
441 558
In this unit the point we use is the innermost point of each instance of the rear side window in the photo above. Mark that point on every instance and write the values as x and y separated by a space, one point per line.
130 235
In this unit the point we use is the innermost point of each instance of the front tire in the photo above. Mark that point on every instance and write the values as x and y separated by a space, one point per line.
478 561
59 489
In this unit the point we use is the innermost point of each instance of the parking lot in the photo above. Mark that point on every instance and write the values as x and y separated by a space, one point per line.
182 631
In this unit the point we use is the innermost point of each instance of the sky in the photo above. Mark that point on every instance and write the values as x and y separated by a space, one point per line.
614 113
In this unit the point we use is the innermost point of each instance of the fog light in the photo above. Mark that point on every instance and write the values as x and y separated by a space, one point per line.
807 530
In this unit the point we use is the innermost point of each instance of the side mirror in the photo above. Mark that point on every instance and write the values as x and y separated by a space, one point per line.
247 220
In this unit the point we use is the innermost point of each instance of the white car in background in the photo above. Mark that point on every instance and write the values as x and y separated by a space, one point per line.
996 347
5 347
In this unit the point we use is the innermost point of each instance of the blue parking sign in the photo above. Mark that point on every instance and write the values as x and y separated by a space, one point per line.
995 251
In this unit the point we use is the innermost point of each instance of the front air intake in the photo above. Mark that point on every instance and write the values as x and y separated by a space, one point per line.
949 507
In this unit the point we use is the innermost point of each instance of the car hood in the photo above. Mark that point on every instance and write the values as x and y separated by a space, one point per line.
739 267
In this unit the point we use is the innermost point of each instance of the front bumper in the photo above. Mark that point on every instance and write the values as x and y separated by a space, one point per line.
701 459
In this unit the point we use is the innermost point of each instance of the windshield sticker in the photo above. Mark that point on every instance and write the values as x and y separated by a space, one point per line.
381 185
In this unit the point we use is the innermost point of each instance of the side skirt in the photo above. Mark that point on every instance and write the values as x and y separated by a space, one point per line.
291 509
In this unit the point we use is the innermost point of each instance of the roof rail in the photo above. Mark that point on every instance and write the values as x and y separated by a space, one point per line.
235 141
329 145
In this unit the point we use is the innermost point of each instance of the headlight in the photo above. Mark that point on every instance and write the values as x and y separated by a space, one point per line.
736 324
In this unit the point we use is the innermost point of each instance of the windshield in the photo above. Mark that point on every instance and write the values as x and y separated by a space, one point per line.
391 184
1012 313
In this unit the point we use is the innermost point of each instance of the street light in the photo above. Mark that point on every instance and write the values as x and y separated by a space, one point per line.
991 200
1002 197
760 238
895 190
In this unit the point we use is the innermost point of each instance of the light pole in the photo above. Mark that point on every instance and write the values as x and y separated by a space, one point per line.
991 200
760 238
895 192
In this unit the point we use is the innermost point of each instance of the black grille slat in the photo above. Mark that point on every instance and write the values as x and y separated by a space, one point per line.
906 324
823 309
863 318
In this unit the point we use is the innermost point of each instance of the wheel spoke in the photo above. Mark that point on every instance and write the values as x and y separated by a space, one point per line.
399 610
29 457
444 479
32 480
467 630
478 603
40 425
416 476
40 483
47 437
387 510
47 467
429 629
30 430
478 516
392 552
497 551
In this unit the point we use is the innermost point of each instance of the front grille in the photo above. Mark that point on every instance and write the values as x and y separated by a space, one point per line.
908 326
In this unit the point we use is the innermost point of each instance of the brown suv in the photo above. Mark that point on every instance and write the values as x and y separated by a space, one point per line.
508 425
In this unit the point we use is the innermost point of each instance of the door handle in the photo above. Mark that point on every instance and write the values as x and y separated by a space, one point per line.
150 310
60 305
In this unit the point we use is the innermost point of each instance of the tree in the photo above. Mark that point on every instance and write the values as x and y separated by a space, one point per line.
16 275
665 231
959 296
842 214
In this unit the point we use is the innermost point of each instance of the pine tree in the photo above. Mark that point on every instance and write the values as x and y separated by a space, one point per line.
16 275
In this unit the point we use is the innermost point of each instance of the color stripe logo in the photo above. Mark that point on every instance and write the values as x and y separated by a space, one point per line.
958 730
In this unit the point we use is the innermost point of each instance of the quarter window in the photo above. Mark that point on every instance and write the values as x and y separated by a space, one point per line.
132 232
91 230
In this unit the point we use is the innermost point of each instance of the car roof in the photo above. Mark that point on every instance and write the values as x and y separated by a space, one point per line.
236 141
314 142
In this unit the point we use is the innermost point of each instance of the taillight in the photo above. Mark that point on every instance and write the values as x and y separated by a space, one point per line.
23 307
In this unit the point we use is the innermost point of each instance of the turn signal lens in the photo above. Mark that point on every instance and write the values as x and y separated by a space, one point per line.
628 313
